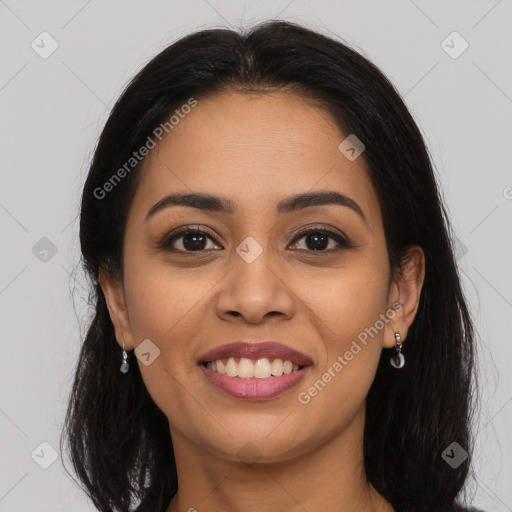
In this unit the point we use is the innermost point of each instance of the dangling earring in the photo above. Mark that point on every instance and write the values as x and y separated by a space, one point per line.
398 360
125 366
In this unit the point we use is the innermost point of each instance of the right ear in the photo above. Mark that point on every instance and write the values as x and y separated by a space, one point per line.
116 302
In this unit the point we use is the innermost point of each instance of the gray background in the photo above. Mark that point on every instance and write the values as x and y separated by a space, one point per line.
53 109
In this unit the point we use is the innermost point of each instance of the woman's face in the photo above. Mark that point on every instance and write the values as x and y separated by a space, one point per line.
253 276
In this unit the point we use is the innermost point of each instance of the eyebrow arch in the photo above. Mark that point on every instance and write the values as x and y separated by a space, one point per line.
307 199
194 200
211 202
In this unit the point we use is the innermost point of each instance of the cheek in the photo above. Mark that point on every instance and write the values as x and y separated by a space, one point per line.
350 316
163 302
164 308
348 302
352 335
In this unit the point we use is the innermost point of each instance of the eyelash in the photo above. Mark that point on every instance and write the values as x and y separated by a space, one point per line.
167 240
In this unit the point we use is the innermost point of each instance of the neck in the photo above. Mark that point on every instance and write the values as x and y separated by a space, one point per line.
329 477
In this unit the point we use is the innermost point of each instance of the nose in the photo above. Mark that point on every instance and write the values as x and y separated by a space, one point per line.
254 292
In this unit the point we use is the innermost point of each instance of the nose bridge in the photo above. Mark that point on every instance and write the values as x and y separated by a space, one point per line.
252 263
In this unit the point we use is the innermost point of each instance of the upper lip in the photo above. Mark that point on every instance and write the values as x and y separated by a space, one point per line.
257 350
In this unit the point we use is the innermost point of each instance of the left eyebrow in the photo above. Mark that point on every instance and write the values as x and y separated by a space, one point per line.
214 203
308 199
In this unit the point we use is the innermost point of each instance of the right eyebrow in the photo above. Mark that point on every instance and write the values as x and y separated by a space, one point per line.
196 200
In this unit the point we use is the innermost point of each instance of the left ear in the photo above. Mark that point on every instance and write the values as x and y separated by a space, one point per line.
112 288
405 289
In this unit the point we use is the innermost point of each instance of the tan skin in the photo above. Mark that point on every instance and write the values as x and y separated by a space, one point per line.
257 149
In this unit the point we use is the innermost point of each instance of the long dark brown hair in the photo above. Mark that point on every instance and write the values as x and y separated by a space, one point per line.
118 439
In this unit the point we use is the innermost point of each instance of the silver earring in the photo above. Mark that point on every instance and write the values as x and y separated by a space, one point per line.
125 366
398 360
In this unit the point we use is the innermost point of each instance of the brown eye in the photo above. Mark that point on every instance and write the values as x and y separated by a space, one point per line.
187 240
320 240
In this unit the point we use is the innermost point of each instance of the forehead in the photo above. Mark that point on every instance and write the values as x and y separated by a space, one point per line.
254 149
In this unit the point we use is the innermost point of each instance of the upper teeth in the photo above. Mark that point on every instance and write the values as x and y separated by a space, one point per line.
247 368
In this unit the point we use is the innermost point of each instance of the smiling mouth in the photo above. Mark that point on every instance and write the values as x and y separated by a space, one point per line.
245 368
255 370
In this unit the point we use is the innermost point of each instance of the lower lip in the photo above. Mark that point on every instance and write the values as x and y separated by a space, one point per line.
255 389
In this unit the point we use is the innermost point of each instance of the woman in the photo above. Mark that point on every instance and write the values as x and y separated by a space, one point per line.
278 318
